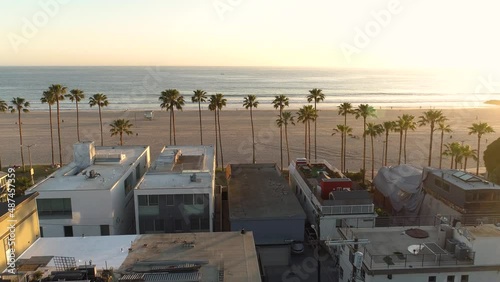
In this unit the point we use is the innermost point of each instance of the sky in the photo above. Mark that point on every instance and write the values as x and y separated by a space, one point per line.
314 33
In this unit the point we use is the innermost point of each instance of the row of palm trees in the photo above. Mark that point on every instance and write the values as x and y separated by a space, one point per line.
172 100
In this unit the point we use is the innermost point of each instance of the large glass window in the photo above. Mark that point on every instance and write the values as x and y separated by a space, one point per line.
170 200
188 199
54 208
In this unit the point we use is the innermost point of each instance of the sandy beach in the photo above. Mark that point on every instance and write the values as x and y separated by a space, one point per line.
236 135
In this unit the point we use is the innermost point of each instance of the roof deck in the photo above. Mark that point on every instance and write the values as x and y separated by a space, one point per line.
331 189
181 167
464 180
393 248
109 165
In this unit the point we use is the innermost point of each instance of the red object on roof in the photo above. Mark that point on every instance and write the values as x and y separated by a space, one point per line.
334 184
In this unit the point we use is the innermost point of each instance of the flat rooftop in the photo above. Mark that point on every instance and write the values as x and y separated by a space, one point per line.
259 191
464 180
111 163
230 252
389 247
102 250
181 167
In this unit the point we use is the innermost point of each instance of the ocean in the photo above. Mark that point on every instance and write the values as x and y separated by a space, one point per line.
139 87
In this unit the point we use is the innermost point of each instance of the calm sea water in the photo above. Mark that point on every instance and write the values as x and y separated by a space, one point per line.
139 87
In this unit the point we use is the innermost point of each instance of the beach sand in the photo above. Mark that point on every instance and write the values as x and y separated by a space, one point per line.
236 135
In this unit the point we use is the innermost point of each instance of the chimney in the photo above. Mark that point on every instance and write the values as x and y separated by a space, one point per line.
84 154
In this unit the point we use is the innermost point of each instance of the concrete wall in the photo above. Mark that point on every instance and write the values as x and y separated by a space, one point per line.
272 231
27 229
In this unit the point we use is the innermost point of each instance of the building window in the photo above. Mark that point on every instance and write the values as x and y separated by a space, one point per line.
148 200
170 200
104 230
450 278
195 223
341 273
60 208
178 225
464 278
432 279
159 225
199 199
446 187
68 231
188 199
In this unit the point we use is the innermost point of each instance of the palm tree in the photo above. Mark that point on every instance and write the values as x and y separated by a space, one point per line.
409 124
100 100
20 105
58 91
3 106
212 106
48 97
388 127
480 129
286 118
453 151
120 126
251 102
76 95
444 128
306 114
400 127
280 102
467 152
373 130
431 117
199 96
344 131
217 102
317 96
344 110
171 99
365 111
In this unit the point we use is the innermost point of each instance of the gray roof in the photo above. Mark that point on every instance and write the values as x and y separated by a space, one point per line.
258 191
464 180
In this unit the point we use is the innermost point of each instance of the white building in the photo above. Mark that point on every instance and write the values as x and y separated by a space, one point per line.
177 193
327 199
431 254
93 194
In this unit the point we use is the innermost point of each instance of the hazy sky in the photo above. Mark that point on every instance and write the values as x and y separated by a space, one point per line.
326 33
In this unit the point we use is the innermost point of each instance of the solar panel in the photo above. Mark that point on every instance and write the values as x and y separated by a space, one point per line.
434 248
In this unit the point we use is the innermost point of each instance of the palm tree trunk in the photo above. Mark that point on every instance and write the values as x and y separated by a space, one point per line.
430 145
309 134
386 147
253 136
220 140
100 120
201 128
59 131
121 138
404 146
373 159
364 149
478 153
51 135
305 139
452 157
345 142
173 126
315 120
281 141
441 149
77 122
216 140
400 145
287 148
21 138
170 126
342 150
465 164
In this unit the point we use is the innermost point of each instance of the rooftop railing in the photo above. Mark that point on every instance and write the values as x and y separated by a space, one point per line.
347 209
